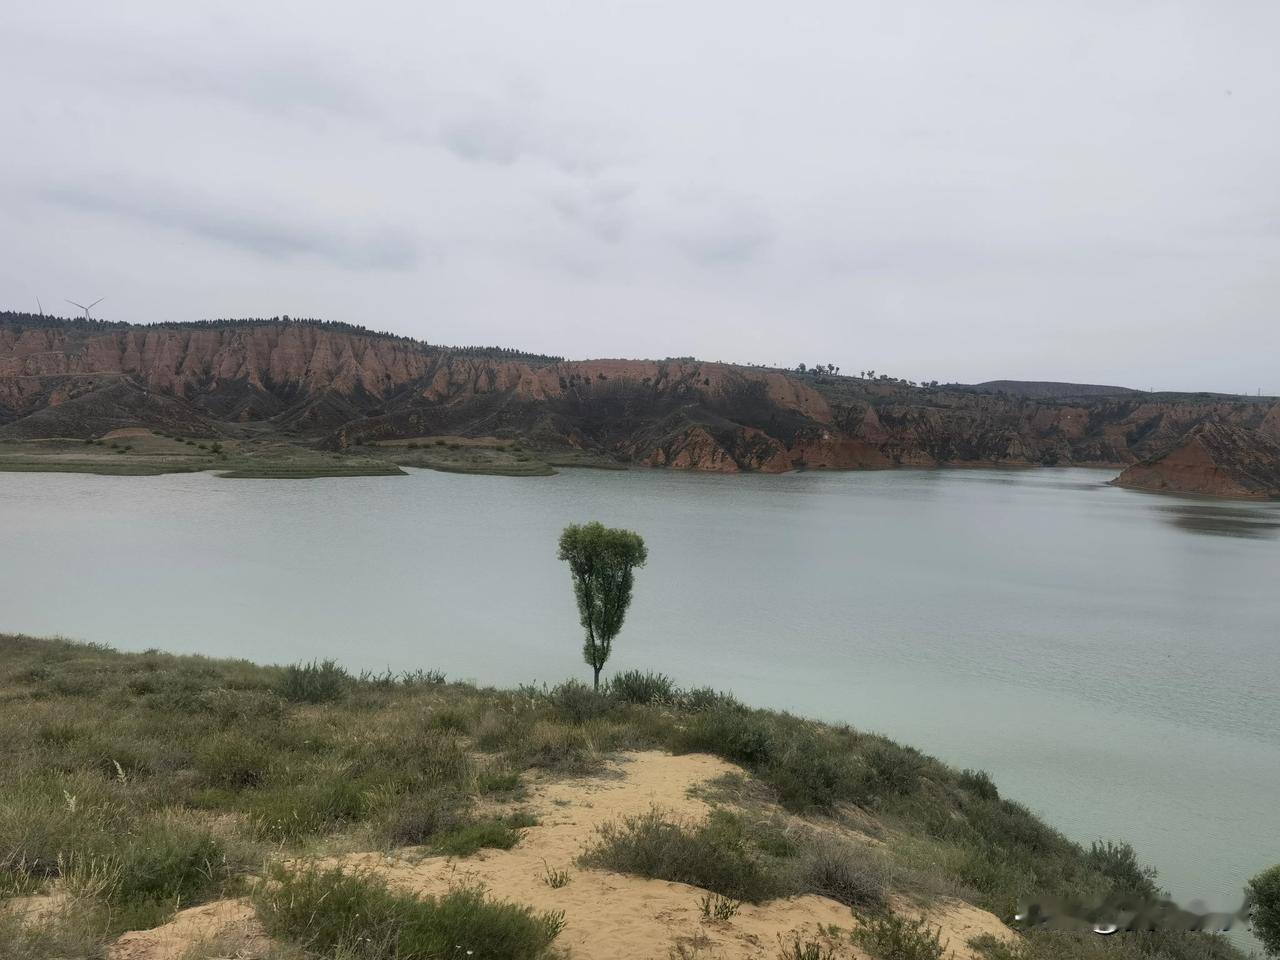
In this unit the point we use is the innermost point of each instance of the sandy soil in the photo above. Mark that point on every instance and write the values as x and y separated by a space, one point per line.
608 916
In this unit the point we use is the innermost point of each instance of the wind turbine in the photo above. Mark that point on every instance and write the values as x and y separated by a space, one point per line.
40 306
88 308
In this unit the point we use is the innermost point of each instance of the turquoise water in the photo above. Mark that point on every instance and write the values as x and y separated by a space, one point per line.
1111 657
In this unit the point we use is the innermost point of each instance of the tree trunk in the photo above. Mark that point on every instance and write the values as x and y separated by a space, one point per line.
597 679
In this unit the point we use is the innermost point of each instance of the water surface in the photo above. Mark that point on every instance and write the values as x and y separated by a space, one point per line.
1111 657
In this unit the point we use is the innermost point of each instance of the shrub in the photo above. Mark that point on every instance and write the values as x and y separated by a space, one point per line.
799 949
422 678
856 877
808 773
233 760
891 937
890 770
637 686
74 929
1119 863
499 781
728 732
979 783
422 817
238 706
171 863
293 812
465 840
711 855
577 703
356 916
553 746
1047 944
314 682
555 879
716 907
442 762
1264 909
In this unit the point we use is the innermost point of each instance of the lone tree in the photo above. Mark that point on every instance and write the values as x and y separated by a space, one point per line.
601 561
1264 909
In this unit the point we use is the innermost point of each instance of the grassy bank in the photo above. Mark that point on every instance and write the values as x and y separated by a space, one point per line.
144 453
136 783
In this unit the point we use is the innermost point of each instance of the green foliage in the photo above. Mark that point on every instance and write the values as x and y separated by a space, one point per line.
856 877
797 949
554 878
979 783
1119 863
1264 909
467 838
314 682
711 855
76 929
293 812
601 562
641 687
234 760
354 916
577 703
716 907
155 872
729 732
891 937
421 817
1046 944
394 760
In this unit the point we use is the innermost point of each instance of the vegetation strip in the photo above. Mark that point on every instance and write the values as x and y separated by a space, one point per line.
138 783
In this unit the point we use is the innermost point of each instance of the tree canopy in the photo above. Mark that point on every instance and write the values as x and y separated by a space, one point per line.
1264 909
601 561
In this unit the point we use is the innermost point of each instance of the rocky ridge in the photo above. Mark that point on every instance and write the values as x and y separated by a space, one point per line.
335 387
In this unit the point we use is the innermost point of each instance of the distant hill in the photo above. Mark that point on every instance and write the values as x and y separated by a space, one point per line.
335 386
1050 389
1215 460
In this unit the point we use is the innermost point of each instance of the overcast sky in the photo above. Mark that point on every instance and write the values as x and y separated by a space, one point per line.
963 191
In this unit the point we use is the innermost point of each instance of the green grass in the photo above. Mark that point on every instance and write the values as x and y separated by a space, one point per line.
173 777
1043 944
155 454
714 855
308 470
112 468
532 468
332 913
892 937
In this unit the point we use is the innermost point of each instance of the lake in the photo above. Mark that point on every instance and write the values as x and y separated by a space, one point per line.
1111 657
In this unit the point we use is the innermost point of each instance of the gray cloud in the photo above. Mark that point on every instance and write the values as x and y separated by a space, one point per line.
718 228
275 238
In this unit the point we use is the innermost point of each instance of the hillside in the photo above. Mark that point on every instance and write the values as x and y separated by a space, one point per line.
336 388
1213 459
146 797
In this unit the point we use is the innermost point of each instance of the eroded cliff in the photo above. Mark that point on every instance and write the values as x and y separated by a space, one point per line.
338 386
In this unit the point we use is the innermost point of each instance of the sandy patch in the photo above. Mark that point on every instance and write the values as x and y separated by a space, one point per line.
35 908
223 918
609 916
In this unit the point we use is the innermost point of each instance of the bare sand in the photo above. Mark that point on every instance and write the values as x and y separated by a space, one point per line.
609 916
